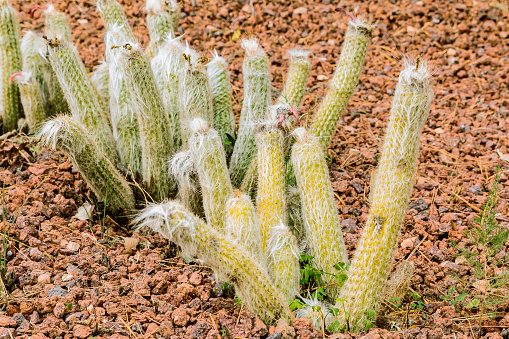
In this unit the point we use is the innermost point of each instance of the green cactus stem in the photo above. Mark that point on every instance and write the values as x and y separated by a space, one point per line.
283 261
33 50
55 24
81 95
343 82
195 99
324 237
395 178
241 224
298 73
100 79
210 162
230 261
219 78
162 21
113 16
154 126
67 134
31 98
10 63
256 100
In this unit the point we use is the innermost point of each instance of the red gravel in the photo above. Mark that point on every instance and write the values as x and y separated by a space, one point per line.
149 292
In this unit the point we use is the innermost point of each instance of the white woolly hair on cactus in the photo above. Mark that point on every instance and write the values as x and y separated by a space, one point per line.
242 224
31 99
282 254
157 6
231 262
182 168
295 221
297 75
33 44
100 79
56 23
315 310
395 178
210 161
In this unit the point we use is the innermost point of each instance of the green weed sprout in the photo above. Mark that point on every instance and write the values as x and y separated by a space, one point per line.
344 81
67 134
256 100
10 63
230 261
395 177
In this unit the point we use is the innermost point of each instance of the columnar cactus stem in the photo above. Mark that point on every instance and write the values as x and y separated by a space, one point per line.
154 125
298 73
113 16
100 80
271 194
195 99
31 98
344 81
56 25
10 63
67 134
210 162
283 261
241 224
33 49
320 215
183 170
231 262
162 21
395 178
219 79
81 95
167 65
256 100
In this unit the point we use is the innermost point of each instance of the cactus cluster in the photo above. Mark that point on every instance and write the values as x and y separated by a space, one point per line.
161 120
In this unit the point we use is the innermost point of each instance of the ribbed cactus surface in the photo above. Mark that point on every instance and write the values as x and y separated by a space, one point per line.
231 262
113 16
297 76
32 100
67 134
343 82
395 178
55 23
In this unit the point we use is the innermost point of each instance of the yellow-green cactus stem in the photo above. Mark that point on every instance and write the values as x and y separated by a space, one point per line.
33 50
81 95
295 221
195 99
153 123
344 81
324 237
395 178
241 224
283 261
113 16
271 192
122 111
10 63
230 262
298 73
219 78
162 21
210 162
256 100
31 98
100 79
167 65
55 24
65 133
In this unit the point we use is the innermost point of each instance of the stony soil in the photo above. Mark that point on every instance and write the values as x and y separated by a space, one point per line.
69 279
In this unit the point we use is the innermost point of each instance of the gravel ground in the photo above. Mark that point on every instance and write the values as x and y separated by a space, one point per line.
68 281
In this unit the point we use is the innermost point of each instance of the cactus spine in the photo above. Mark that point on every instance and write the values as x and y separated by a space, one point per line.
283 260
10 63
68 135
122 112
395 177
31 98
241 224
219 79
210 162
344 81
154 126
56 25
81 95
298 73
256 100
195 100
270 200
320 215
230 261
